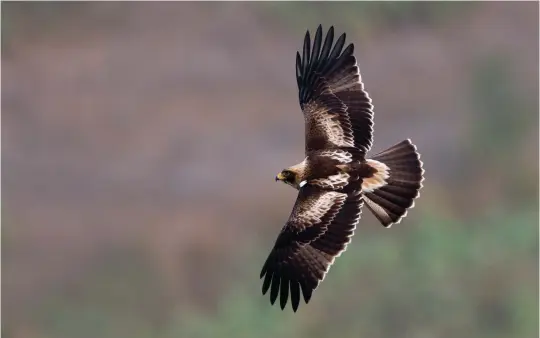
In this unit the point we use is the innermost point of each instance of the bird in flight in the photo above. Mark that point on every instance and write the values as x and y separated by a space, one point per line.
336 178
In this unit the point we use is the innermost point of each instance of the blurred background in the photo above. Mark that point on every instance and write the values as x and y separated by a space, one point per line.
140 142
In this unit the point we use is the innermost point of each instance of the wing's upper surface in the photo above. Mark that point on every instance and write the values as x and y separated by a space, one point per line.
318 230
337 110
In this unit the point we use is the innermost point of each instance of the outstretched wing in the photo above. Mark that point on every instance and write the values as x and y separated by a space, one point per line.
337 110
318 230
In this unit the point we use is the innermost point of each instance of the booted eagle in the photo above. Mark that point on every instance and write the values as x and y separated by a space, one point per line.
335 179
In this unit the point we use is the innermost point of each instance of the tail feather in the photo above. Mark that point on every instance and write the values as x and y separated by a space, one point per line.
390 202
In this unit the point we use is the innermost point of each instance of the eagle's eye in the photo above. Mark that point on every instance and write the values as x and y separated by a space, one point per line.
286 176
289 176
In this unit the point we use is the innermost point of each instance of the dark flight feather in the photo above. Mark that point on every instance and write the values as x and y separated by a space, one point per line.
325 74
298 262
316 49
295 294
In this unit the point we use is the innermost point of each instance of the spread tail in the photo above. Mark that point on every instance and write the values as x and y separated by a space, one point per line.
391 192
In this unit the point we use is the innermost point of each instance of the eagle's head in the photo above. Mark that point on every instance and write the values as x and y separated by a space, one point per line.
290 177
286 176
294 175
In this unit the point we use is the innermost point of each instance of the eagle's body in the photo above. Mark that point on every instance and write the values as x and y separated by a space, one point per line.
335 178
331 169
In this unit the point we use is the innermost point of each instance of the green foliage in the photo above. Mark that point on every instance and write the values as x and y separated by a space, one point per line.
111 299
502 116
440 278
500 109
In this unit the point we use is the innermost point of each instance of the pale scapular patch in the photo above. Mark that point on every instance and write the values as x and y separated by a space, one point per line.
378 179
336 181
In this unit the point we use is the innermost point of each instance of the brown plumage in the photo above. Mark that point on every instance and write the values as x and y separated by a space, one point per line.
335 179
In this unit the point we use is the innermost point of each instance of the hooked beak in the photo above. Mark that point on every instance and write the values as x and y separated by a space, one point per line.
279 177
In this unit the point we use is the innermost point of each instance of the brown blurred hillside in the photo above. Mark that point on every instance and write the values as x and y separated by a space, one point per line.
140 142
